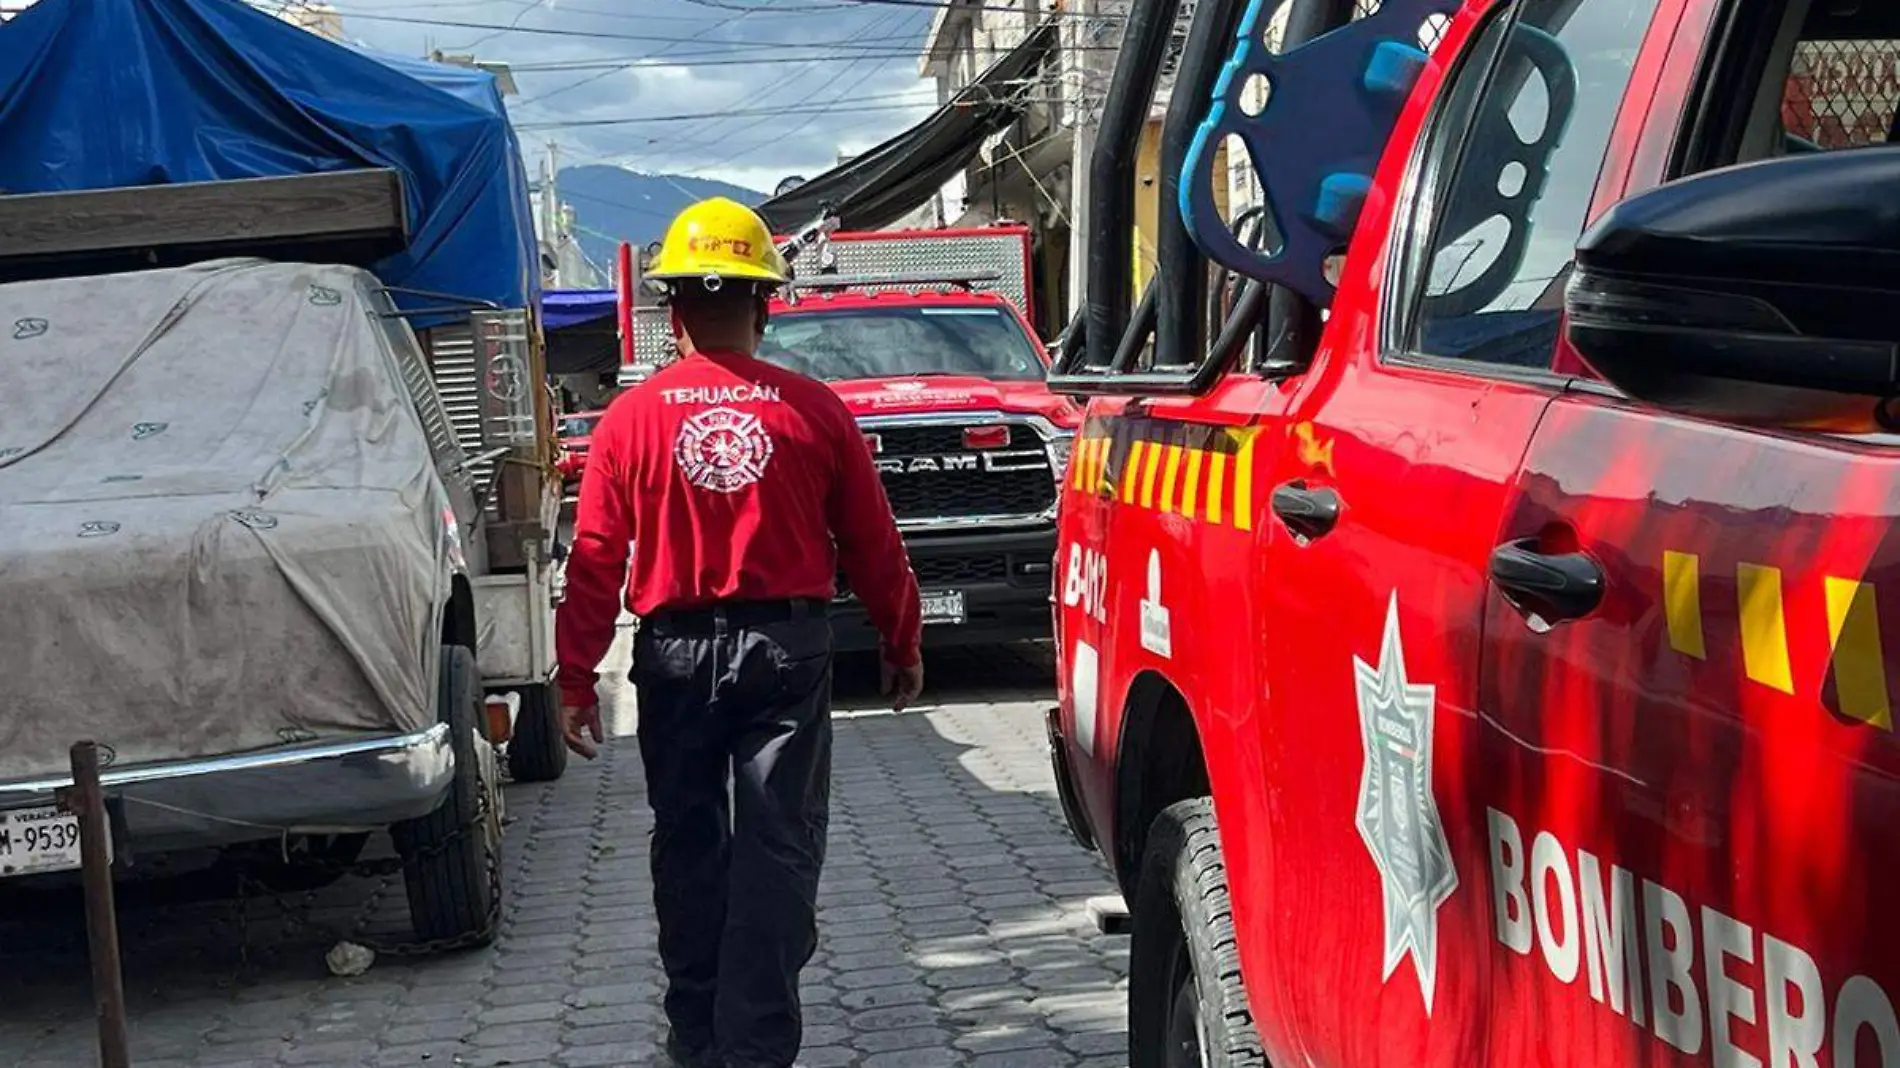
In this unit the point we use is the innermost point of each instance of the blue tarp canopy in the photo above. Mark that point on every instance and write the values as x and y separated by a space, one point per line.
562 308
98 94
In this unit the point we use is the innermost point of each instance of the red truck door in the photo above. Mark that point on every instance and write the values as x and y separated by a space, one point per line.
1690 793
1400 459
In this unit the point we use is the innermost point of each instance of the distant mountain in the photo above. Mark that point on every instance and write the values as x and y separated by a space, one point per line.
628 205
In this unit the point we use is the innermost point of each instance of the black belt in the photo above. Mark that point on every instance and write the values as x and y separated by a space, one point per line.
732 615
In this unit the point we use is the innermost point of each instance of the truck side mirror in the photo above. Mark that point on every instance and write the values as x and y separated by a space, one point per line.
1766 293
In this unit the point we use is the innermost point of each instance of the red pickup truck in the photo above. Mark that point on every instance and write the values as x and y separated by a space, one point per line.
1504 677
950 387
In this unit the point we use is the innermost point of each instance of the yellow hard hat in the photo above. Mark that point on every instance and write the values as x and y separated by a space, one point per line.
718 238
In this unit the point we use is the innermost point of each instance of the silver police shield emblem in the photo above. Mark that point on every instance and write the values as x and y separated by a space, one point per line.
1398 816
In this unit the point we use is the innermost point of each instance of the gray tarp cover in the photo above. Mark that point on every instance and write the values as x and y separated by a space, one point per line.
220 527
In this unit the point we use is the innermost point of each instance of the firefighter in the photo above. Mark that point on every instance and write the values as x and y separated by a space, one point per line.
740 487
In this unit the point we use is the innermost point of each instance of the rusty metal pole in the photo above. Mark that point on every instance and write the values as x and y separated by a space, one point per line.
88 802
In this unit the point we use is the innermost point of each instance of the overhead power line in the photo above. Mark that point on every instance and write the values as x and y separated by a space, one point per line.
414 5
738 113
725 58
499 28
936 5
969 96
592 78
843 94
597 35
684 60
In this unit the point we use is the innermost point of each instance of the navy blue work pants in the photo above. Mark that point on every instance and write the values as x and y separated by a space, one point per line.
737 695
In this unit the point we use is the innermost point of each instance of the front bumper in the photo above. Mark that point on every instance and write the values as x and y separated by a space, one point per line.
1005 579
329 787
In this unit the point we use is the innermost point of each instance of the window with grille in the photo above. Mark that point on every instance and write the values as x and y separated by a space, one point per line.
1842 94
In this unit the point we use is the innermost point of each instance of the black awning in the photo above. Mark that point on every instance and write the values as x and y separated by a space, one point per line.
892 180
585 348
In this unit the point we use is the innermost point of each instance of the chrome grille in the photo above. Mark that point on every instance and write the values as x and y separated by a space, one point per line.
930 477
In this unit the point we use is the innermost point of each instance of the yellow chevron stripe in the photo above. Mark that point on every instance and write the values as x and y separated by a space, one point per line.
1169 470
1243 482
1764 626
1098 466
1682 603
1129 468
1079 463
1153 453
1216 479
1853 632
1192 484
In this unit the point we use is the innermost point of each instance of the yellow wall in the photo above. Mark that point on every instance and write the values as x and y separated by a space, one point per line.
1148 200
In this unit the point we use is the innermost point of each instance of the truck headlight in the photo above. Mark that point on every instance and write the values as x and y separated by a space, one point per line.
1061 447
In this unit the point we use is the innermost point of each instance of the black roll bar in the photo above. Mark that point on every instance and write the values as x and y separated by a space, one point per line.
1112 174
1093 360
1181 313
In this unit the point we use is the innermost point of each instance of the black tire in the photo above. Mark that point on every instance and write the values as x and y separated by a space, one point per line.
446 854
537 752
1186 1005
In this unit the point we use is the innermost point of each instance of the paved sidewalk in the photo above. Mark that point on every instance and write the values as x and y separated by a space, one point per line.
951 912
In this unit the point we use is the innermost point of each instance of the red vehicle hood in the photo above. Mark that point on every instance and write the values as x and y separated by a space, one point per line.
914 396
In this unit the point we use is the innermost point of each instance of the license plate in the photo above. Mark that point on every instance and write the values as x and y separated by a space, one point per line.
35 840
943 606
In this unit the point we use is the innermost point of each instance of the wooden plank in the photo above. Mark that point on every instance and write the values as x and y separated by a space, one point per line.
361 212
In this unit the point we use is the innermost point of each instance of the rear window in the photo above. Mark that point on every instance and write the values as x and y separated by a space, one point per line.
1842 94
846 343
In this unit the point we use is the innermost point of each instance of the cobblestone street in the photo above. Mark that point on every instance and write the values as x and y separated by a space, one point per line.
952 918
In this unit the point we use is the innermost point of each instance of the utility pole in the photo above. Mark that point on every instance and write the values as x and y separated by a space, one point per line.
551 229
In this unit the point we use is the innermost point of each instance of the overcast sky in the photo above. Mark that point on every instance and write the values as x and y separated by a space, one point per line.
835 60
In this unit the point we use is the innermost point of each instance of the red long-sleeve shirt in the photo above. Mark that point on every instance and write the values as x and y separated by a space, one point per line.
732 480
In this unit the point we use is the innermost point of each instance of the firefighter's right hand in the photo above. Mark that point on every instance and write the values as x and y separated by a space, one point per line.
581 729
901 684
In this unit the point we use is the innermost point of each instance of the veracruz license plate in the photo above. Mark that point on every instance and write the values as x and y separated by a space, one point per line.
35 840
943 606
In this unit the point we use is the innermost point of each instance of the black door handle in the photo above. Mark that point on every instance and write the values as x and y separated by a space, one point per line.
1308 511
1547 587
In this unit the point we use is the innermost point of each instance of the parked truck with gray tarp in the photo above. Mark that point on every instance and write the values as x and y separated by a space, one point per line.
276 494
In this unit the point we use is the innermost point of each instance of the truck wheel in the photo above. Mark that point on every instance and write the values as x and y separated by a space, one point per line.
447 854
537 752
1186 1006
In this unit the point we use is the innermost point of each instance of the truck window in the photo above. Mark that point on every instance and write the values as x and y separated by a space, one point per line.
1831 81
1520 179
839 344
